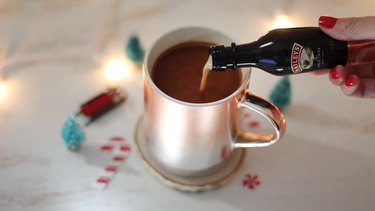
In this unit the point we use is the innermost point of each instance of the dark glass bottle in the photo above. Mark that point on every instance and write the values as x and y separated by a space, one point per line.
291 51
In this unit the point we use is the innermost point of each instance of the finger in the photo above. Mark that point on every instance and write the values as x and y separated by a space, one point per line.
338 74
351 86
358 28
368 85
364 70
359 87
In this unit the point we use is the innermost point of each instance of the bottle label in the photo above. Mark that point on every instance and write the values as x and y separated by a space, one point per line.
302 58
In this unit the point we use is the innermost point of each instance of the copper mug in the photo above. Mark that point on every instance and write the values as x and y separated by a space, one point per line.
187 138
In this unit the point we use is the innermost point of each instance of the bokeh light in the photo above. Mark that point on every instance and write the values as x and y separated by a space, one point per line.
282 21
117 69
2 90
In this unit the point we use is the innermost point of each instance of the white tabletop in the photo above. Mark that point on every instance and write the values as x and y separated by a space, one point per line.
50 52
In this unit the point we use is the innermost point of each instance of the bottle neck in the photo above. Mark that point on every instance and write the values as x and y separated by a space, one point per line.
223 57
235 56
248 55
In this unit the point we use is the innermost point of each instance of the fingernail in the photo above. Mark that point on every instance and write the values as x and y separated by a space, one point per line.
350 81
334 73
327 21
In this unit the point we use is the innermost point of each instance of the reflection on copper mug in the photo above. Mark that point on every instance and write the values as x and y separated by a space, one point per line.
186 138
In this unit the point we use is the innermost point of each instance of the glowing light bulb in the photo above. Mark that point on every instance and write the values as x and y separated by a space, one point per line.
282 21
117 69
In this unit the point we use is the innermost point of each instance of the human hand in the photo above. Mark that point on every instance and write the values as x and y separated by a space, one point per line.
359 80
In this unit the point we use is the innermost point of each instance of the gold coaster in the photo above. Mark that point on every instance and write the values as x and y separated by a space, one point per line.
187 183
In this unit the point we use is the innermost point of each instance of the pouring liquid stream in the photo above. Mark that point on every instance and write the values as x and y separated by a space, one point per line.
206 70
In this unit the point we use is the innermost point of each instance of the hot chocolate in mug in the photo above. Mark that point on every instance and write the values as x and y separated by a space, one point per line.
186 139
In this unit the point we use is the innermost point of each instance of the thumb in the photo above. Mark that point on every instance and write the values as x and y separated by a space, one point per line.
349 29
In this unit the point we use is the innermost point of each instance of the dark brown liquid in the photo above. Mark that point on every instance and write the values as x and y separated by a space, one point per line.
178 72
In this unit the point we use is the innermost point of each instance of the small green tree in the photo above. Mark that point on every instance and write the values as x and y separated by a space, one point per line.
281 94
133 50
73 134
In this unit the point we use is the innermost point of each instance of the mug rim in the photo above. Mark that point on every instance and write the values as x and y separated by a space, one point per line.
245 73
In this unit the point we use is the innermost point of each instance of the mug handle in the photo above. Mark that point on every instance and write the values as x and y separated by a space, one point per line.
268 111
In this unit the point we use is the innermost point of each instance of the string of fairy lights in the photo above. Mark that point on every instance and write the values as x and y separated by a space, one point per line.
115 68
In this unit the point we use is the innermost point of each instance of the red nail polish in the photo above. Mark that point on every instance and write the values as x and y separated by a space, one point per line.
334 73
327 21
350 81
